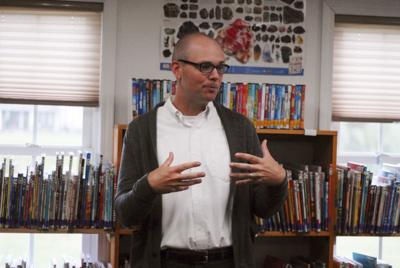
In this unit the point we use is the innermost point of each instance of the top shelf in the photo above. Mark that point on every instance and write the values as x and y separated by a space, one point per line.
121 127
295 132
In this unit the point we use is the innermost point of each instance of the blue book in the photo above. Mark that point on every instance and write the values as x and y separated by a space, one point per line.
135 97
365 260
387 226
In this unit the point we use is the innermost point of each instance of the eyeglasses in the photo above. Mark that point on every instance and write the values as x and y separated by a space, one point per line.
207 67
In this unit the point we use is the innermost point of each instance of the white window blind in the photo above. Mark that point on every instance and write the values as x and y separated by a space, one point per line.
366 72
49 56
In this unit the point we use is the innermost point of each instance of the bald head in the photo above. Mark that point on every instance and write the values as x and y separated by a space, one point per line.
182 47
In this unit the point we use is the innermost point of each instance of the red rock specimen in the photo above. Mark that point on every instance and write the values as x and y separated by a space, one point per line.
236 40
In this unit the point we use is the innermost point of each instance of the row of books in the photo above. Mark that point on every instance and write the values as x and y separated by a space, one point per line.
267 105
359 260
147 93
275 106
306 208
60 200
294 262
20 263
363 207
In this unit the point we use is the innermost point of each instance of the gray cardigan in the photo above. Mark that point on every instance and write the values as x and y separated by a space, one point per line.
137 204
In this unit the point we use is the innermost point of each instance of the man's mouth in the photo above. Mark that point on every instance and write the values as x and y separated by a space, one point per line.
212 87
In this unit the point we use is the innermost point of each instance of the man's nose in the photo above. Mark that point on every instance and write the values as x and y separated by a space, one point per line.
213 74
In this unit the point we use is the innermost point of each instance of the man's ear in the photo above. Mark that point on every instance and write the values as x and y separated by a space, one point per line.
176 70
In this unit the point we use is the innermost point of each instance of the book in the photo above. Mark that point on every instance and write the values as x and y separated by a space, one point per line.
366 260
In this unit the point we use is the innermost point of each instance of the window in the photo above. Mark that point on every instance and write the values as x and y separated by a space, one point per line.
29 131
17 247
370 143
366 71
365 110
50 54
26 133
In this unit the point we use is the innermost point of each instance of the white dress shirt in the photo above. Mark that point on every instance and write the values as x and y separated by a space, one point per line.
197 218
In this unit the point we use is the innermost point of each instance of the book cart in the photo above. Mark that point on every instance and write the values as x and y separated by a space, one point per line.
291 146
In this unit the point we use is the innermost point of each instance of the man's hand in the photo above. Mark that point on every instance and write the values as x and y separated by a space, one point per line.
258 170
167 178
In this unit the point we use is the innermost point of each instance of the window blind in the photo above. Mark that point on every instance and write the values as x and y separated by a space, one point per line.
366 72
50 56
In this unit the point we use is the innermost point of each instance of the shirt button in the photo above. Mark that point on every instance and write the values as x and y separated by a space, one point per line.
155 255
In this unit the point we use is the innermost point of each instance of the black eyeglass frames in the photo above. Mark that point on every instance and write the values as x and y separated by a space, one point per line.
207 67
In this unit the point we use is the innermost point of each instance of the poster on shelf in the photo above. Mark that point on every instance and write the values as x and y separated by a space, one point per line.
264 37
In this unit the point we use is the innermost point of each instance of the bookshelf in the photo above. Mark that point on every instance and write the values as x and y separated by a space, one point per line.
293 146
286 146
61 203
119 234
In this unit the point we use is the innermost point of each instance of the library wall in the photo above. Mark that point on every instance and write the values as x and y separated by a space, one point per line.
138 41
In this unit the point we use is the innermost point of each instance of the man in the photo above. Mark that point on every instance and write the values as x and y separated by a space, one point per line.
193 174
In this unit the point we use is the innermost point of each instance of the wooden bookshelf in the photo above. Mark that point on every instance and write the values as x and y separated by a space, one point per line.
118 138
297 146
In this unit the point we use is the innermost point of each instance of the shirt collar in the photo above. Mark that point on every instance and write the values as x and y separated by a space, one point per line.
186 120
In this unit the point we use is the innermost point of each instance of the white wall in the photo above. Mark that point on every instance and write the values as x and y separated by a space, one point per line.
138 39
137 50
107 111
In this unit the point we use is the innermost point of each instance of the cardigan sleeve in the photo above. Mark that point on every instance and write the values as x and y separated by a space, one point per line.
134 197
266 199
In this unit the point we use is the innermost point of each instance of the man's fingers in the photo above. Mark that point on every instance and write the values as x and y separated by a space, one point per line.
181 185
245 166
250 175
169 160
180 188
252 180
248 157
190 176
239 182
187 182
187 179
264 149
188 165
245 178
